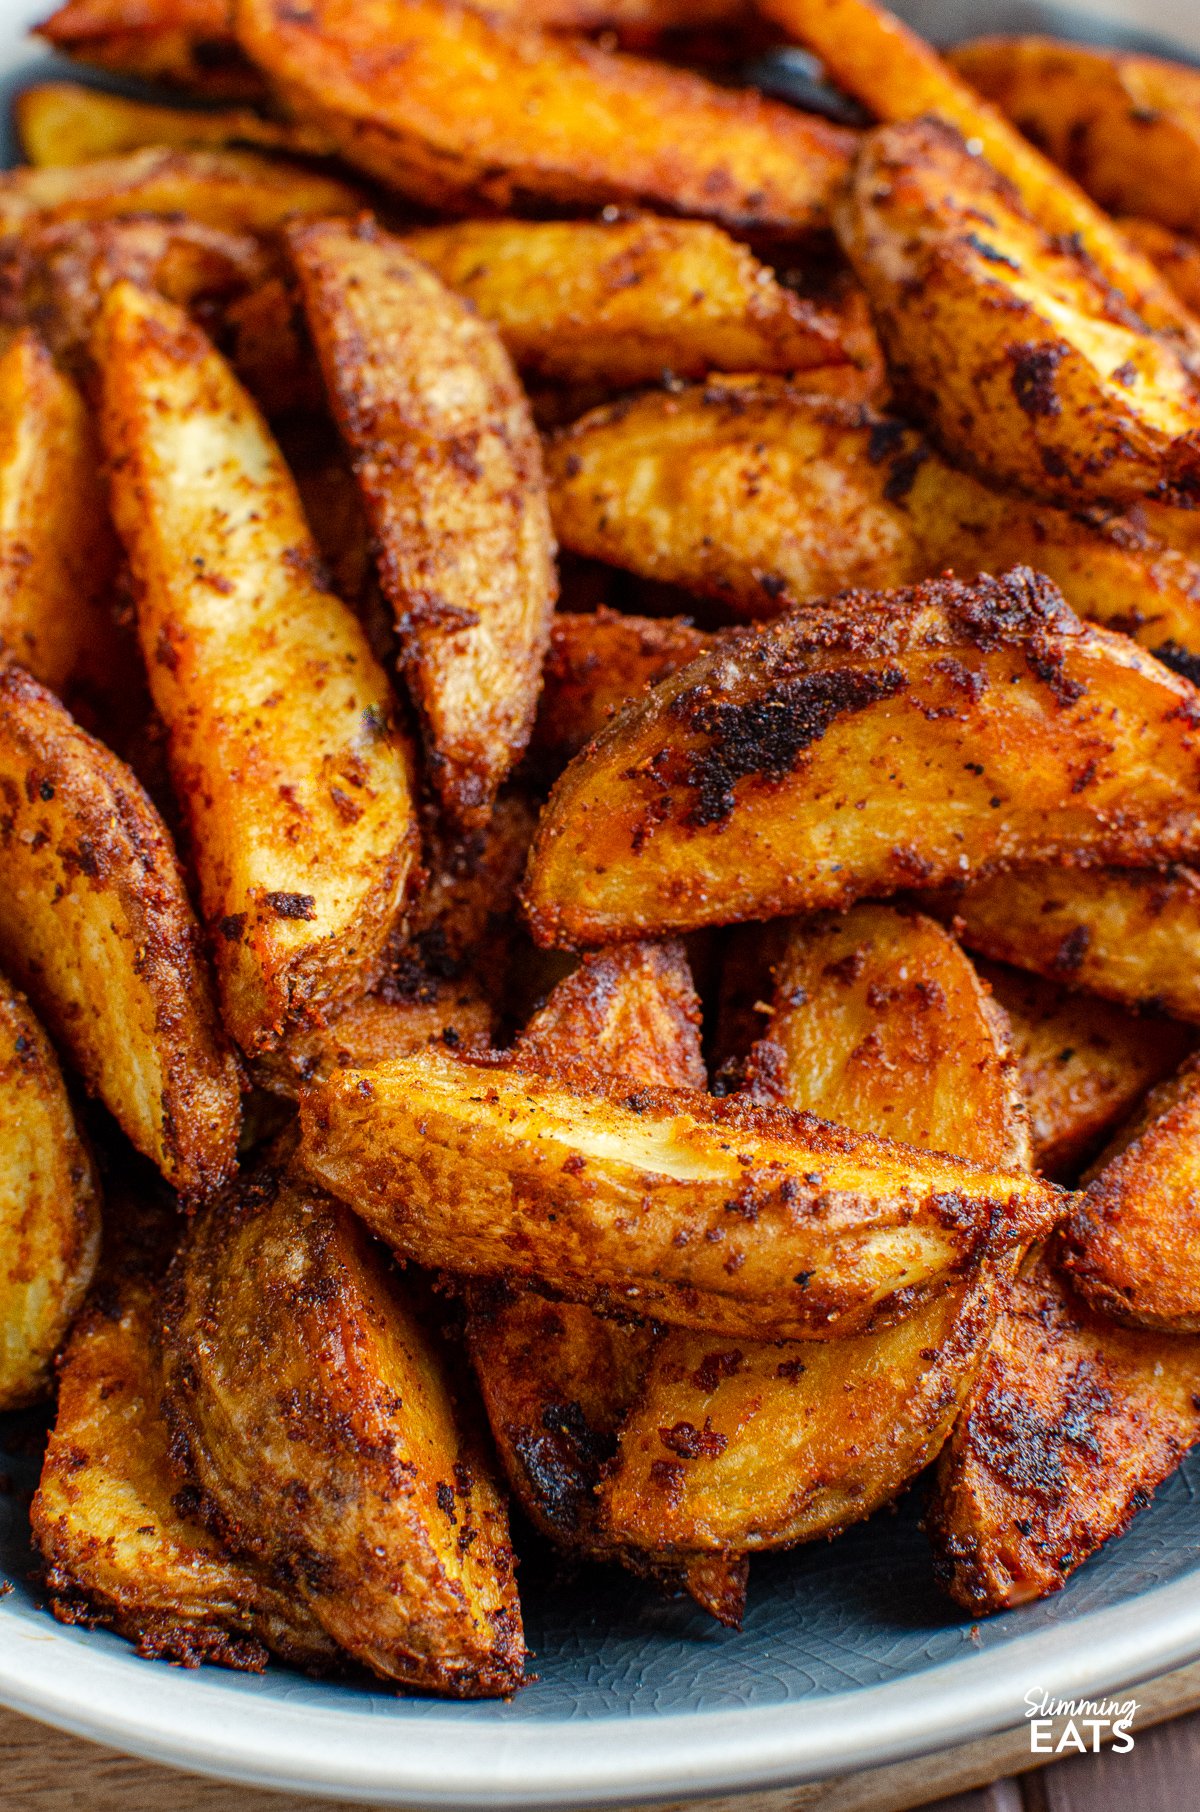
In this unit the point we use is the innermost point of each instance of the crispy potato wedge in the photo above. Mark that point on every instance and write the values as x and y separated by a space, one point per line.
117 1545
53 276
58 553
188 44
470 115
49 1206
1127 128
66 123
557 1379
720 796
390 1023
719 1215
1070 1427
451 473
1128 935
879 1022
272 352
619 301
283 750
1084 1063
1128 1246
598 661
1004 338
95 924
317 1416
238 191
763 496
1176 257
876 58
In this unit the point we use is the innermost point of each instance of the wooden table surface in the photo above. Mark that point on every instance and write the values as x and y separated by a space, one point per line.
43 1771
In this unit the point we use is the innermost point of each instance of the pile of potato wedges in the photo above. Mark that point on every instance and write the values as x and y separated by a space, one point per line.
599 810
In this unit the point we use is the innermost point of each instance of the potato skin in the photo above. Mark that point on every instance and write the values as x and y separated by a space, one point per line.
238 191
618 302
1072 1424
58 554
1128 1245
1129 935
1175 256
283 750
450 469
95 923
717 798
625 1200
472 115
598 661
312 1409
1004 339
1126 127
49 1206
187 44
1084 1063
876 58
117 1547
879 1023
762 496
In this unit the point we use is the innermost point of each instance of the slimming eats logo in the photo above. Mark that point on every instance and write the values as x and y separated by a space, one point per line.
1085 1726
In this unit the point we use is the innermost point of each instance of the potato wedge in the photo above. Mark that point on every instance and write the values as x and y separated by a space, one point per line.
58 553
1175 257
879 1022
1126 127
188 44
53 276
631 1013
1072 1424
1004 338
1128 935
96 925
1085 1063
282 744
49 1206
598 661
117 1545
317 1416
720 796
470 115
877 59
619 301
1128 1246
238 191
763 496
719 1215
393 1022
450 468
66 123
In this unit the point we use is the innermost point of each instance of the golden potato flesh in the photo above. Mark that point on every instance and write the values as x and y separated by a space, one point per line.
1126 127
66 123
880 1023
718 1215
58 554
450 468
95 923
239 191
1129 935
110 1521
597 662
851 750
1004 339
1084 1063
1129 1246
187 44
316 1415
763 496
472 115
620 302
1070 1427
49 1206
875 57
1175 256
283 750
